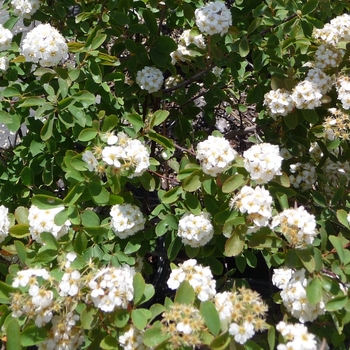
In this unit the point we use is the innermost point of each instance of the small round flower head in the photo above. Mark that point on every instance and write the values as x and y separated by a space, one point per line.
343 89
297 225
188 37
278 102
112 288
256 202
44 45
199 277
41 220
323 81
263 162
150 79
215 155
89 158
213 18
306 95
328 56
127 219
195 230
132 339
243 332
296 336
25 8
4 64
303 176
4 223
5 38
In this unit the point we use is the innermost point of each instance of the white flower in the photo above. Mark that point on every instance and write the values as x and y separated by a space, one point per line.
215 155
44 45
4 64
4 223
90 160
195 230
132 339
306 95
5 38
242 332
184 328
281 277
127 219
150 79
213 18
25 8
111 155
69 284
278 102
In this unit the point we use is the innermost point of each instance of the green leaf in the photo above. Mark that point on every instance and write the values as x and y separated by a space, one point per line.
221 342
319 198
13 335
244 47
50 241
47 129
310 6
86 98
139 288
87 134
21 251
109 342
192 203
99 194
27 176
185 294
74 194
134 119
154 336
10 92
165 44
160 139
314 291
338 245
291 120
211 317
5 118
151 22
121 318
89 218
32 335
342 217
310 115
337 303
307 259
193 182
32 102
140 318
271 337
172 195
19 231
235 244
5 293
98 41
87 317
174 248
46 202
254 25
233 183
158 118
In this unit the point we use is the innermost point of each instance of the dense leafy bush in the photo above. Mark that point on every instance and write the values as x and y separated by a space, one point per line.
133 216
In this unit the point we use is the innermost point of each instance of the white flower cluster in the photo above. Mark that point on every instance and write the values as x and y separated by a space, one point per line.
303 176
297 225
263 162
43 221
242 312
64 334
4 223
343 88
150 79
195 230
112 288
297 337
200 278
25 8
5 38
338 29
294 297
328 56
182 53
91 161
127 219
70 283
306 95
132 339
213 18
278 102
128 154
4 64
256 202
215 155
323 81
44 45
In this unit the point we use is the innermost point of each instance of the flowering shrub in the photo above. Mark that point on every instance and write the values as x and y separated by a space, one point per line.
179 175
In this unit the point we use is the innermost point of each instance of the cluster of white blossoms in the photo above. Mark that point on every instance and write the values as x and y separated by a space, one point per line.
25 8
297 225
42 220
213 18
4 64
256 202
343 88
294 297
183 53
44 45
132 339
303 176
5 38
127 219
296 336
150 79
215 155
263 162
278 102
112 288
129 155
91 161
199 277
323 81
306 95
195 230
328 56
338 29
241 312
4 224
